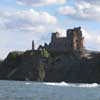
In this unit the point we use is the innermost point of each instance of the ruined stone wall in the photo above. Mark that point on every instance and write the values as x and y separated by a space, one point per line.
75 39
72 41
60 44
78 39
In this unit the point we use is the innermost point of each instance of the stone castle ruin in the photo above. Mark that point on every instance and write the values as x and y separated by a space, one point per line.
63 59
72 41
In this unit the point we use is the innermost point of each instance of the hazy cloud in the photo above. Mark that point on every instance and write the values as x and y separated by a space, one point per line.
19 28
40 2
91 39
28 20
67 10
81 10
94 2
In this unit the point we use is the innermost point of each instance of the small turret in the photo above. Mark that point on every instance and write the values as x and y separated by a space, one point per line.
33 45
54 36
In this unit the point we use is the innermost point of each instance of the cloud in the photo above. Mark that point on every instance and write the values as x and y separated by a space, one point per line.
94 2
40 2
91 39
19 28
28 20
62 32
67 10
82 10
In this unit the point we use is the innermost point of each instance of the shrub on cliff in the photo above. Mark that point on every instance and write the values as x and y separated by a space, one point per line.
13 55
45 53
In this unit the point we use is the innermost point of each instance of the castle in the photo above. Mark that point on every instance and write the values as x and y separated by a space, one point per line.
72 41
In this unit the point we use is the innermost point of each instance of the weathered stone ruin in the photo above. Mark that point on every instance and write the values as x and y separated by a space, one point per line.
72 41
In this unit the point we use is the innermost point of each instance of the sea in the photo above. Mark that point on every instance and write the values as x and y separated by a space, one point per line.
27 90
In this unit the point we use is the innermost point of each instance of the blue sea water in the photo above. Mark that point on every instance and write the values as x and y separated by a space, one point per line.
19 90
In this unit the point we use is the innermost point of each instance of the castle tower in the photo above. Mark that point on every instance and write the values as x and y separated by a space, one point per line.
75 39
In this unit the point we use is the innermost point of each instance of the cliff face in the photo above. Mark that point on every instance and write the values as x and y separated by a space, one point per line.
22 66
73 67
52 66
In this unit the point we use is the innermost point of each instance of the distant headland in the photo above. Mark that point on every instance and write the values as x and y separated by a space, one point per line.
63 59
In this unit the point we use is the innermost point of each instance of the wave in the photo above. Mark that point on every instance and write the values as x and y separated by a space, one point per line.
72 85
56 84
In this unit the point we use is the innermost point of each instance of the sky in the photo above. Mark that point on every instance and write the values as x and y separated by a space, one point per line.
22 21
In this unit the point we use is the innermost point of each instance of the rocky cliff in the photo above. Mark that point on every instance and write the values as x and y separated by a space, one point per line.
43 65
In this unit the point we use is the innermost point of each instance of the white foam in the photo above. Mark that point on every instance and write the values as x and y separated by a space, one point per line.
57 84
72 85
89 85
27 83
